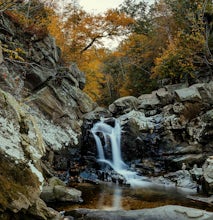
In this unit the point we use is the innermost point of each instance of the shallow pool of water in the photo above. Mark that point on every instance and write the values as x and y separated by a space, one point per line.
109 196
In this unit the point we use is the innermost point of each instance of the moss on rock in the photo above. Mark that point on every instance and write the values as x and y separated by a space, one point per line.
19 187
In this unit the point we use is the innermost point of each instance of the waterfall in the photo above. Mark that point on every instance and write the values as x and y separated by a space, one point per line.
111 138
107 136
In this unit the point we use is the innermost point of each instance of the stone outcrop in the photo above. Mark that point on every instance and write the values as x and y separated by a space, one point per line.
56 191
21 149
180 178
170 131
160 213
164 129
42 107
123 105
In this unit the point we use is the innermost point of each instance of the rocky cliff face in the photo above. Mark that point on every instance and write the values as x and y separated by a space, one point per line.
171 126
165 129
42 104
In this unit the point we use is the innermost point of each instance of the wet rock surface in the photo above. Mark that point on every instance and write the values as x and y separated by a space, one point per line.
164 127
162 131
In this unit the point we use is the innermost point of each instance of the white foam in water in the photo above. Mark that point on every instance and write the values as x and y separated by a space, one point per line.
113 134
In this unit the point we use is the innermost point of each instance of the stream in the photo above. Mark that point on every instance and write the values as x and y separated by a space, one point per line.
138 193
110 196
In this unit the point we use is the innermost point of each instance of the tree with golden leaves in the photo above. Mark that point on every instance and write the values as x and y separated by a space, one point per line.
186 56
84 30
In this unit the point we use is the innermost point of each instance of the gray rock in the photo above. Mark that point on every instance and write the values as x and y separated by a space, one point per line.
44 121
52 61
180 178
178 107
208 117
48 103
56 51
78 75
189 159
54 181
41 211
65 194
172 88
196 172
167 110
37 56
208 174
6 78
123 105
148 101
97 113
195 129
190 149
210 87
205 92
137 119
39 75
51 48
47 194
172 122
60 193
84 102
152 112
164 96
161 213
55 136
188 94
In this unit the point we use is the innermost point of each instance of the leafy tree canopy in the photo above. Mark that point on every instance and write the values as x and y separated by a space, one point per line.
170 39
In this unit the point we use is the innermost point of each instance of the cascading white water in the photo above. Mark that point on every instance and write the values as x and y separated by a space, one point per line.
112 138
112 134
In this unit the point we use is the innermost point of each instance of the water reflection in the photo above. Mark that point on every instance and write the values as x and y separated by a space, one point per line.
116 199
117 204
110 196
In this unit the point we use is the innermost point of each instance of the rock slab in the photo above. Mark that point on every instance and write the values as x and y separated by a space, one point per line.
161 213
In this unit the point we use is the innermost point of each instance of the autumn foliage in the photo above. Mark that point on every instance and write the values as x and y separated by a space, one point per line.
171 39
31 17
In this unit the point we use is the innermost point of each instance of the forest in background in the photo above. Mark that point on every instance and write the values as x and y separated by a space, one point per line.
170 41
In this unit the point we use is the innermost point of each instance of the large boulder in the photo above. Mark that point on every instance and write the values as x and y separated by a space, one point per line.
180 178
188 94
205 90
139 139
123 105
148 101
161 213
165 96
56 191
